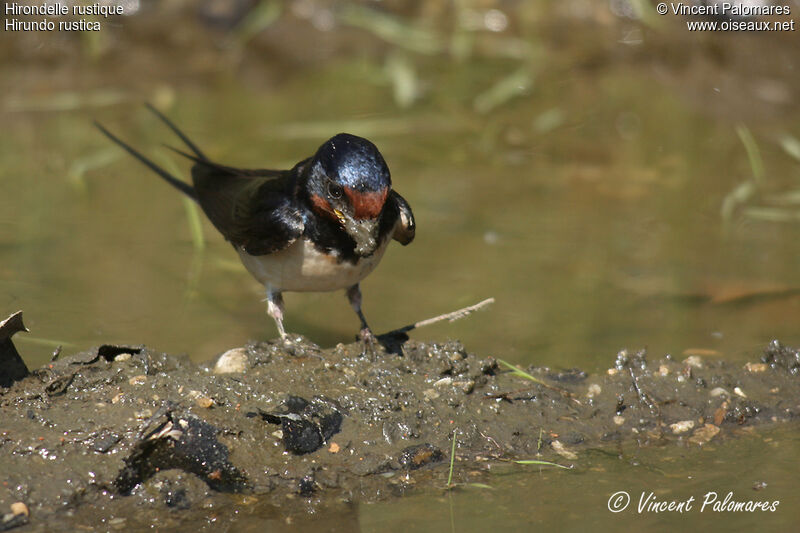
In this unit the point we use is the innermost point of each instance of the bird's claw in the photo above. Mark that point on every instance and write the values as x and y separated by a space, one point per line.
298 345
371 343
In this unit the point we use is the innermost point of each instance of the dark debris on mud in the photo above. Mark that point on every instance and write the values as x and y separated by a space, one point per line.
296 422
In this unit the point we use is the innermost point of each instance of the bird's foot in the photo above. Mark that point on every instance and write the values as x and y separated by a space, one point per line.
372 345
298 345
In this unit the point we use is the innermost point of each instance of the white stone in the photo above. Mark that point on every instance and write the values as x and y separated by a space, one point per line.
232 361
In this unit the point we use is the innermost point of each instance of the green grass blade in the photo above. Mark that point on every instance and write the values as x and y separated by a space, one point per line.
195 223
452 461
542 463
772 214
785 198
515 84
190 208
405 83
753 153
520 373
391 29
480 486
259 19
743 192
791 146
80 166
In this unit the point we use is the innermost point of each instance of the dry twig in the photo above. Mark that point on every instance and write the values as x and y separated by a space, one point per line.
450 317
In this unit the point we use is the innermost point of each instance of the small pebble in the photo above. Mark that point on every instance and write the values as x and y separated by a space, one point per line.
718 391
444 382
755 367
594 390
419 455
739 392
562 450
141 415
619 420
138 380
430 394
232 361
682 426
19 508
466 386
704 434
694 361
205 402
122 357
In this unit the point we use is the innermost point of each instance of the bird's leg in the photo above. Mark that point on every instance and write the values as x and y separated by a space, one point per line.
275 309
354 295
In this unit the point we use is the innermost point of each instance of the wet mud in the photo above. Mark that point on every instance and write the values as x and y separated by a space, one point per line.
128 436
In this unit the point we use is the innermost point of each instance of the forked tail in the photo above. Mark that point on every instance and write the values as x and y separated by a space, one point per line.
182 186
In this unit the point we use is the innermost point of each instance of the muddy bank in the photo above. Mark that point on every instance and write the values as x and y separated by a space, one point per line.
131 435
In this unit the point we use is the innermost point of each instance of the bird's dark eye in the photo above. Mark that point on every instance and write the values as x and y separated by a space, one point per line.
335 190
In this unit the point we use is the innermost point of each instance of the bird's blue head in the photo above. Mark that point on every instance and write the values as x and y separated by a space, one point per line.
348 182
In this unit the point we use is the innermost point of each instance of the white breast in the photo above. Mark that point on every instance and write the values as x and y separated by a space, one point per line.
302 268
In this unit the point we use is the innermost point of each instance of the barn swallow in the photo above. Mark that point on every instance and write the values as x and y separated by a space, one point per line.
321 226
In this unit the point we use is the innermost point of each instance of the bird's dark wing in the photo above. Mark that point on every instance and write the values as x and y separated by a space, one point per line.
398 210
254 209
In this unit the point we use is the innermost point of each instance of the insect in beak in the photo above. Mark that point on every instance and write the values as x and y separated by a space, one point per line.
340 216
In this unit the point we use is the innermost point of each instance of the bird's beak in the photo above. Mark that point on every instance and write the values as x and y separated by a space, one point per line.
361 231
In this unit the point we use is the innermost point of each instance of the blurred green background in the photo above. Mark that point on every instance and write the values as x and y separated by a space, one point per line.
612 179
